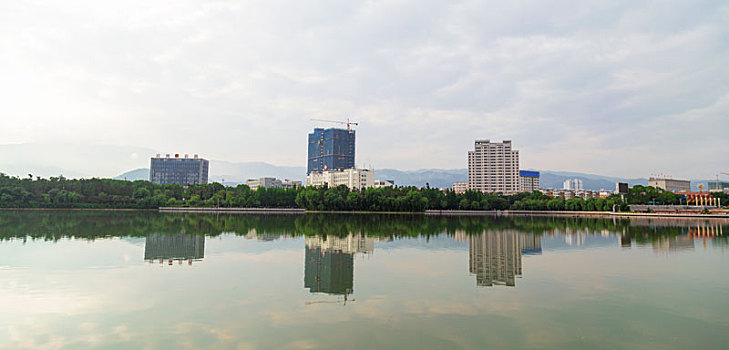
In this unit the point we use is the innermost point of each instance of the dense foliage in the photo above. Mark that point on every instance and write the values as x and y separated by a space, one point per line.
413 199
59 192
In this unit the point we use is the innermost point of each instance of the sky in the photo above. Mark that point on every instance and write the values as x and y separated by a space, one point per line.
620 88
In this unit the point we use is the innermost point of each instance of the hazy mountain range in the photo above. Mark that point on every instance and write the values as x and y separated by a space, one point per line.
234 173
77 161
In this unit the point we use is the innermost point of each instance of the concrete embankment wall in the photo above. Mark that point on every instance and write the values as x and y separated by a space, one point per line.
603 214
232 210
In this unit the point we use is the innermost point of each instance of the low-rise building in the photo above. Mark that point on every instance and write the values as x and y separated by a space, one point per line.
460 187
670 185
290 184
353 178
264 182
384 183
570 194
271 182
718 186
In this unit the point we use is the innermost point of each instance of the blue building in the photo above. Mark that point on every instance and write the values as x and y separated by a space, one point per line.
182 171
330 149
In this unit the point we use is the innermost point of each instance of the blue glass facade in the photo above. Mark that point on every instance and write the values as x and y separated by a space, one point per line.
330 149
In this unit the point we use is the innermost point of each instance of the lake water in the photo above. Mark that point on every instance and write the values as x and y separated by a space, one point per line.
134 280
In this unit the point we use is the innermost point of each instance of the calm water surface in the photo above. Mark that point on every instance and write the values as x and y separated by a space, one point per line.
79 280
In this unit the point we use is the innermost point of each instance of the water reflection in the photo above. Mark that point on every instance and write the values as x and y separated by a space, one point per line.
179 247
329 262
673 244
71 280
495 256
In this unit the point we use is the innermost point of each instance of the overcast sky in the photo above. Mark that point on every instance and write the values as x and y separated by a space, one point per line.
623 88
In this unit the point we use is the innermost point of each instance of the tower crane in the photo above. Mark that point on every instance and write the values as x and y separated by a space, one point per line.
348 123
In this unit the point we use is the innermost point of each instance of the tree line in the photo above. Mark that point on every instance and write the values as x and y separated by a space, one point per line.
60 192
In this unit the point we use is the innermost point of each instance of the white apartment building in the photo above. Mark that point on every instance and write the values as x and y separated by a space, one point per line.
573 184
493 167
353 178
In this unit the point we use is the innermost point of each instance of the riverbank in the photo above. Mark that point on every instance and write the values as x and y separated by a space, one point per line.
599 214
77 209
232 210
301 211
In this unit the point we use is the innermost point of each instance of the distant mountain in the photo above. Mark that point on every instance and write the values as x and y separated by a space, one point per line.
136 174
441 178
555 179
236 173
240 172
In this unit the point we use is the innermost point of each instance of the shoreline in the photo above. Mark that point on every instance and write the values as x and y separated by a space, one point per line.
78 209
232 210
597 214
301 211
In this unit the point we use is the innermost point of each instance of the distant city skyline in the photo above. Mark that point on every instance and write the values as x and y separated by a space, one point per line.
616 88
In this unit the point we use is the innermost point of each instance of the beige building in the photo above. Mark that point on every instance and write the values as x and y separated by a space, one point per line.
353 178
460 187
670 185
493 167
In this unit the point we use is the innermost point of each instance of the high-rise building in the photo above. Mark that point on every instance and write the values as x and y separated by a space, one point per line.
529 181
178 170
330 149
573 184
493 167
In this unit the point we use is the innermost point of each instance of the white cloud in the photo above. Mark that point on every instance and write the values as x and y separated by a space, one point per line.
576 86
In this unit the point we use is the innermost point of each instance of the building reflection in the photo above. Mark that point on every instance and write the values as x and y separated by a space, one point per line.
683 234
672 244
329 262
495 256
179 247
